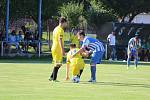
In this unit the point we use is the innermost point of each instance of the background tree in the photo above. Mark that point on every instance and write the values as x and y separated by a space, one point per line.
72 11
127 8
2 15
99 14
96 12
2 9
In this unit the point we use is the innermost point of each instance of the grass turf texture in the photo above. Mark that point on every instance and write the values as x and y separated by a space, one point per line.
29 81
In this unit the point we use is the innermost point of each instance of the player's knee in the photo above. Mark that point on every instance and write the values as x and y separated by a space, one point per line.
58 65
93 64
129 55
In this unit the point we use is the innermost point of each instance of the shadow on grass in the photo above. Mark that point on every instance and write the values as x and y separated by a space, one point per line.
118 84
87 61
124 63
26 60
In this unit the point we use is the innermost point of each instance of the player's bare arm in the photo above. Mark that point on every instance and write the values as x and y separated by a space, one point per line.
61 45
78 52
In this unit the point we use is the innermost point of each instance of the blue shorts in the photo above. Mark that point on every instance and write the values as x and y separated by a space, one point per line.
96 57
133 52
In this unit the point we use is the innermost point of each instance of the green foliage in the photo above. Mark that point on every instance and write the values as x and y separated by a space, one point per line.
50 8
125 8
2 9
96 12
72 11
99 14
98 7
23 8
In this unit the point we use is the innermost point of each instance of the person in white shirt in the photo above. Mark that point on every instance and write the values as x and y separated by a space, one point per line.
112 43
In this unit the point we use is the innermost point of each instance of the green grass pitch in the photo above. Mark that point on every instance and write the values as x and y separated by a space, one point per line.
29 81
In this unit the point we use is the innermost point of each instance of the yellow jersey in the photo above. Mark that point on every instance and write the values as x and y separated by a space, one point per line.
57 33
76 60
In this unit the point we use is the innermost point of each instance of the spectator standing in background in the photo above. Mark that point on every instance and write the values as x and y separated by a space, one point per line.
112 44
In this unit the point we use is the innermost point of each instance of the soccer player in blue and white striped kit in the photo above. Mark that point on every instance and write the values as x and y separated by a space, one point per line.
133 46
93 48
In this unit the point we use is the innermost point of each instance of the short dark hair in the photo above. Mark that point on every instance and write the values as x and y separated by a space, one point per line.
113 31
62 20
72 45
81 32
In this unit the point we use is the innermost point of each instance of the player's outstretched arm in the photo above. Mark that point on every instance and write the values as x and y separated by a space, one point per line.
78 52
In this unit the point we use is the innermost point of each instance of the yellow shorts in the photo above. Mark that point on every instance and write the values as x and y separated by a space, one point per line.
77 65
75 70
57 57
78 62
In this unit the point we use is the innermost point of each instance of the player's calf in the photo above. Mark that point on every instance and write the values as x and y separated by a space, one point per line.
54 72
80 73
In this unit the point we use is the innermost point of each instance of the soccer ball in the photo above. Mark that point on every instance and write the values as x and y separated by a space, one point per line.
75 79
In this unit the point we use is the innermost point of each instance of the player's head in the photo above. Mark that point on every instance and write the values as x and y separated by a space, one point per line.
72 46
136 36
63 22
113 32
20 33
81 35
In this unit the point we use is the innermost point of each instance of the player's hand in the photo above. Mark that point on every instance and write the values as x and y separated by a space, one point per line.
87 54
84 54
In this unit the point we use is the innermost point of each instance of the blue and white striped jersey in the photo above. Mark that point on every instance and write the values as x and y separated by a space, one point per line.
93 44
133 44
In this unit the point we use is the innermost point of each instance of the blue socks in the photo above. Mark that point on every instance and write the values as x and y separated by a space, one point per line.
136 61
128 62
93 72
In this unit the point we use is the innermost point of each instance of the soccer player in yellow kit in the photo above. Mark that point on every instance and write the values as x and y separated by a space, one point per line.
77 63
58 47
